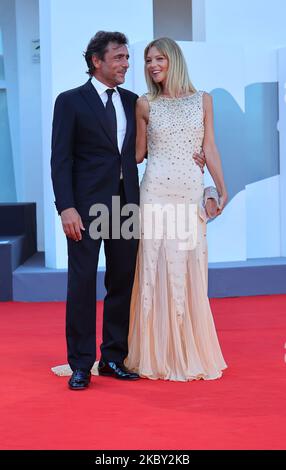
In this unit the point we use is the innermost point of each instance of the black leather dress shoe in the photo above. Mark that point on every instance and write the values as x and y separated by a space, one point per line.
116 370
79 380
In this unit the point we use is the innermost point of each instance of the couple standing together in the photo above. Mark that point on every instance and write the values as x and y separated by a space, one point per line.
157 321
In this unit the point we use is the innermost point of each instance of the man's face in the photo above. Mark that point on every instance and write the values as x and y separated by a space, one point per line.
112 69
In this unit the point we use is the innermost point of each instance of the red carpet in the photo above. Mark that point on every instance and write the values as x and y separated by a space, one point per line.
243 410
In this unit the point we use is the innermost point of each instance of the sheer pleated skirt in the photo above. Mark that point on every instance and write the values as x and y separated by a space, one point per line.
172 334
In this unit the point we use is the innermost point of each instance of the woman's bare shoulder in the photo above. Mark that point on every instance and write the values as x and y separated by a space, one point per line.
207 102
142 104
207 97
143 99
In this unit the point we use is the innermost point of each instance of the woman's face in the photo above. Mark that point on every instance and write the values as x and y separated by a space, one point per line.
157 65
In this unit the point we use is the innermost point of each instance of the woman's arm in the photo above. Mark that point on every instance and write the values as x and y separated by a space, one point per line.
213 161
142 116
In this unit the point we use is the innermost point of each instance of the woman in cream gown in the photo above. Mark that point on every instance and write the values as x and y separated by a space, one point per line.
172 334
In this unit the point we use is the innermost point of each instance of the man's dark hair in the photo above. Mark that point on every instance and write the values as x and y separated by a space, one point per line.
98 46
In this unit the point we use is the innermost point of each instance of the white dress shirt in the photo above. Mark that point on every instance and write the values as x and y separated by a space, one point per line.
117 103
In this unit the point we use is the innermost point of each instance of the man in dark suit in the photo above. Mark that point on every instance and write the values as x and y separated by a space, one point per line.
93 159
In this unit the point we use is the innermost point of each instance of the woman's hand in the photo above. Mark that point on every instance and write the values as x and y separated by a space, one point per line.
222 202
212 209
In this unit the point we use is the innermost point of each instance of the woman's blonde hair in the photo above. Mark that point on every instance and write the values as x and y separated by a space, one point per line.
178 81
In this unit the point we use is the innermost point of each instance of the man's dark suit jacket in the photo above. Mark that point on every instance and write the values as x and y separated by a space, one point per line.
85 160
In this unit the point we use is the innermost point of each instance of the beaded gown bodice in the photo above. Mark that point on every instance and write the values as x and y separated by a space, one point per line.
175 131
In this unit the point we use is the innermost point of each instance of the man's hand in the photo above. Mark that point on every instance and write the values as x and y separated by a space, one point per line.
200 160
72 224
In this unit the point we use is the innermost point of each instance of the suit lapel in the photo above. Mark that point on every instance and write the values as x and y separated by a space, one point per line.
129 115
93 100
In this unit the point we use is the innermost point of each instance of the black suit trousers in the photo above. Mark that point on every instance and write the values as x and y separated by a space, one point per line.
81 297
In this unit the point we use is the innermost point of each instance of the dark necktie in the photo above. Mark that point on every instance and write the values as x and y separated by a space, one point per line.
111 115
